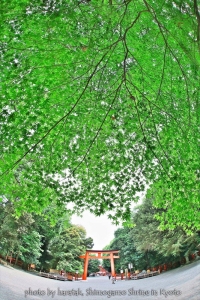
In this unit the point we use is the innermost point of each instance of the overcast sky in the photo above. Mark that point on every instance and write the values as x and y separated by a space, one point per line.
99 228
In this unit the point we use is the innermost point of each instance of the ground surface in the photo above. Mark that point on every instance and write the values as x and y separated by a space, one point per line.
184 281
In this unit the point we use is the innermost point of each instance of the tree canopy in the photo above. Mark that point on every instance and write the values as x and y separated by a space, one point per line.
100 100
66 248
145 246
31 238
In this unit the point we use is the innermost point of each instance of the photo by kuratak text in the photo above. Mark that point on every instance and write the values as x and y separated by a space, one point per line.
106 293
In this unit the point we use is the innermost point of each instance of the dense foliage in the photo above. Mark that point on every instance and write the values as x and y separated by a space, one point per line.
19 237
100 99
93 266
145 245
66 248
32 239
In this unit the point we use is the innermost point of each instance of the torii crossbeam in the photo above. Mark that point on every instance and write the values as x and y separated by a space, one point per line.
101 254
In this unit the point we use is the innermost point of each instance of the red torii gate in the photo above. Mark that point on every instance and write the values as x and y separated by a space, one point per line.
111 255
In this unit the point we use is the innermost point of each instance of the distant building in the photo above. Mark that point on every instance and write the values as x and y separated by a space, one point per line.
102 271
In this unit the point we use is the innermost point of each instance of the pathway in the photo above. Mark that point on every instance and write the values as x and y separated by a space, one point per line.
181 284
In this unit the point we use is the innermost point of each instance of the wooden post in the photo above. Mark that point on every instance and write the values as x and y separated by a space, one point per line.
112 265
84 277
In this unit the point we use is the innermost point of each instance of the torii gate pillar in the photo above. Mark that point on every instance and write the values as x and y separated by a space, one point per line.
108 254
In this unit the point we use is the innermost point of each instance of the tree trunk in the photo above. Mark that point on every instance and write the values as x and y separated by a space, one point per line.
187 259
7 255
16 260
11 258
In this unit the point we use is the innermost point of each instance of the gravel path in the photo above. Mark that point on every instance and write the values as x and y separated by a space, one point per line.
182 284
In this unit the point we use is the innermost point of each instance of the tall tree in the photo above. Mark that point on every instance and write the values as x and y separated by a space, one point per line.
66 248
19 237
159 245
50 224
35 239
125 242
146 245
100 100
